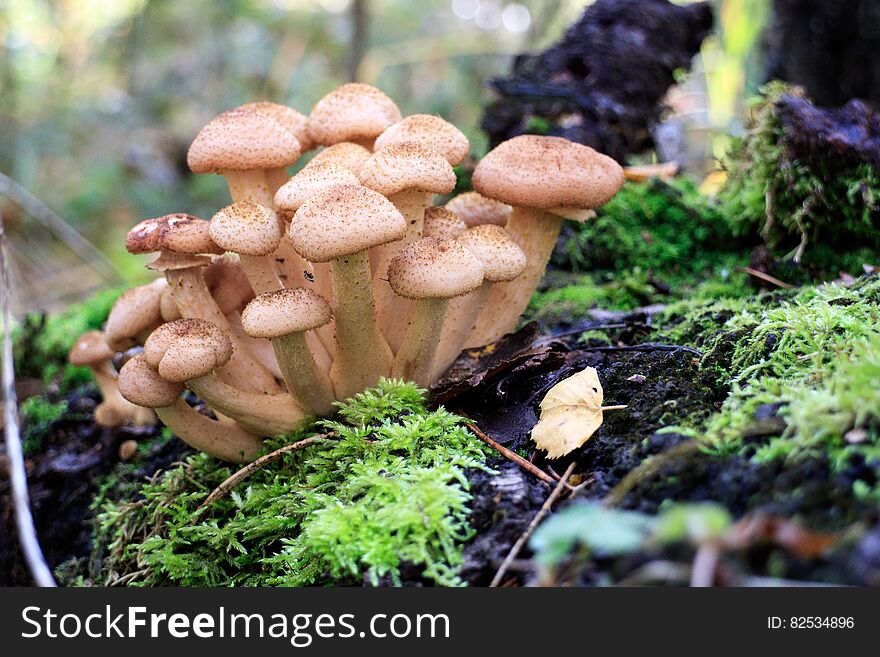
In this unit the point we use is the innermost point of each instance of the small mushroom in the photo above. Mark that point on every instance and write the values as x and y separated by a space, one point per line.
502 261
474 209
428 130
441 222
407 173
340 225
284 317
189 350
179 238
134 315
252 231
545 179
91 350
141 384
430 271
355 113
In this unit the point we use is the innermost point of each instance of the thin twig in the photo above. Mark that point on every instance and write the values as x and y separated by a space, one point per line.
513 456
543 511
27 533
648 346
766 277
237 477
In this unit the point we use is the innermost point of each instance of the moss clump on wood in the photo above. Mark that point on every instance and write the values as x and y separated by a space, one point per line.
387 494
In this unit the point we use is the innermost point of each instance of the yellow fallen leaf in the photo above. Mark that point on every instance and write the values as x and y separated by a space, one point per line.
570 413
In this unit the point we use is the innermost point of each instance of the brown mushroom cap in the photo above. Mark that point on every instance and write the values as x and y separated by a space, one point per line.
307 182
407 165
90 349
351 112
187 349
346 154
534 171
493 246
135 311
434 268
474 209
440 222
343 220
141 384
177 232
292 310
293 121
247 228
242 140
431 131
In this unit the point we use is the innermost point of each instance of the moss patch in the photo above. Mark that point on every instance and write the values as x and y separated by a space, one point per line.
388 494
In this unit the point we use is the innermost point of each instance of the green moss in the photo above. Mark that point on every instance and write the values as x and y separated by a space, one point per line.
37 416
791 203
388 492
41 343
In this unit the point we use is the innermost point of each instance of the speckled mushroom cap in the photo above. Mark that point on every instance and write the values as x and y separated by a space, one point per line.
440 222
343 220
533 171
90 349
346 154
474 209
407 165
135 311
290 119
246 228
177 232
242 140
493 246
282 312
430 130
434 268
186 349
351 112
308 182
141 384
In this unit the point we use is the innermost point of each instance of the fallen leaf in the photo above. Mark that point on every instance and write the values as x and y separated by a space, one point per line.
570 413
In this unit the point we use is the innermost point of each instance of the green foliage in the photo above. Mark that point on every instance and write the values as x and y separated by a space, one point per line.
794 204
42 342
37 416
388 490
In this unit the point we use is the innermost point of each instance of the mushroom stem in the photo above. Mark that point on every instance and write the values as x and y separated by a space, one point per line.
261 273
416 353
262 351
304 377
411 203
266 415
275 179
249 186
228 442
324 286
362 355
195 301
535 232
114 409
461 320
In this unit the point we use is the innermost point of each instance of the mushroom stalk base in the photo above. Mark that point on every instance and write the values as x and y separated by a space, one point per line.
535 232
228 442
305 379
362 355
416 353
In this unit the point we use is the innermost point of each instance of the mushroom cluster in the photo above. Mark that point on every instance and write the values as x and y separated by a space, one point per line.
308 289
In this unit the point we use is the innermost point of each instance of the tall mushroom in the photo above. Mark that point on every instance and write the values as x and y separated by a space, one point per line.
340 225
545 179
291 120
354 112
91 350
407 173
430 271
189 350
179 238
284 317
141 384
252 231
502 261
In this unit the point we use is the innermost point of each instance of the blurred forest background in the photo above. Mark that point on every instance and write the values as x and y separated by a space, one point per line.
99 99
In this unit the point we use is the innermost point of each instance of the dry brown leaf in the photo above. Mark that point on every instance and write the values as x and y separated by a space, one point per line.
570 413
